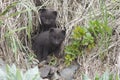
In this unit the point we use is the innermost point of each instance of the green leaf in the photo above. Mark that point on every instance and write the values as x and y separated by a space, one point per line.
96 77
85 77
105 76
2 75
18 75
32 76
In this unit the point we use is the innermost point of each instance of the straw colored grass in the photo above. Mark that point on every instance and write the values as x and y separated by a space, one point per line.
19 18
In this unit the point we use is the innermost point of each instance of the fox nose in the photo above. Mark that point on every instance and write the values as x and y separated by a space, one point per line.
56 42
47 22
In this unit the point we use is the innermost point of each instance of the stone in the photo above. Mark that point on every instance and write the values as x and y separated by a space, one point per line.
68 72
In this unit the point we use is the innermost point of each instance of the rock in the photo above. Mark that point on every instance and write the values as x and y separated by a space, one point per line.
68 73
53 70
45 79
55 76
44 71
47 71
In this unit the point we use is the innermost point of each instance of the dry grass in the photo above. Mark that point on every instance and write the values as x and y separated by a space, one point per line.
16 25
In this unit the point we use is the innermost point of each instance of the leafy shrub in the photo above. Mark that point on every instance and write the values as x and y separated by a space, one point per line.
99 29
84 38
12 73
96 33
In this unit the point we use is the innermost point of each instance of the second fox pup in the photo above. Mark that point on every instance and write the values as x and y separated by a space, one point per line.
48 42
48 19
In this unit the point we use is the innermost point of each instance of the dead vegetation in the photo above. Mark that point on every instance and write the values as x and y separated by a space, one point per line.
19 18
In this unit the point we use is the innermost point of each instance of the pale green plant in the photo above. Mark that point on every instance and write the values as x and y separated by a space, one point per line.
13 73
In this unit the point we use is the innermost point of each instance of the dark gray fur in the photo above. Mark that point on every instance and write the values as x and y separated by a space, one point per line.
48 19
48 42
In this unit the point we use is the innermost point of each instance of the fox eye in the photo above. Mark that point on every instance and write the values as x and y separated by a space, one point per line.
51 19
54 37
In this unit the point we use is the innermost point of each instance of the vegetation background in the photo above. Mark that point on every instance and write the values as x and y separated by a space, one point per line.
92 36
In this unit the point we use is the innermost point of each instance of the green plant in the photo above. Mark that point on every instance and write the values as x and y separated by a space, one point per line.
105 76
82 39
85 38
99 29
13 73
53 61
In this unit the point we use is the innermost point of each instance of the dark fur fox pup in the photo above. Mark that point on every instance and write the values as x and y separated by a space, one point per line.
48 42
48 19
37 2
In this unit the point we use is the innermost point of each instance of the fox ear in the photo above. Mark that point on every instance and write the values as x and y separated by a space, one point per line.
51 30
42 10
55 13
